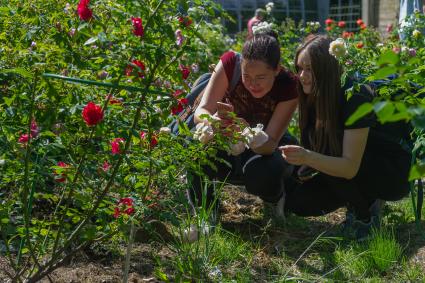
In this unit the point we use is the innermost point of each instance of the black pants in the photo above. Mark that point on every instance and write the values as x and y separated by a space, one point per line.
262 175
381 176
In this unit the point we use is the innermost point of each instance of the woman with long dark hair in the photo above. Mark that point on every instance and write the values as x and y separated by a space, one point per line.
341 165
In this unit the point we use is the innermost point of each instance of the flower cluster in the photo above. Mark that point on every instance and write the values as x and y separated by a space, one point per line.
361 24
124 206
262 27
251 137
24 138
338 48
203 132
313 25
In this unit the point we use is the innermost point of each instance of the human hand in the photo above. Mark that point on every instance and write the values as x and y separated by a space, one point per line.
305 173
294 154
223 110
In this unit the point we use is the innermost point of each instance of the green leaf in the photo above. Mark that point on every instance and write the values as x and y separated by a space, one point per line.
5 220
18 71
417 171
388 57
364 109
382 73
91 40
385 112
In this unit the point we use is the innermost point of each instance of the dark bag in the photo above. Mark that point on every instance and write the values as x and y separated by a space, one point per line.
194 97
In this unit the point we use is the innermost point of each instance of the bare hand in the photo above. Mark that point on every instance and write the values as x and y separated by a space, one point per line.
294 154
223 110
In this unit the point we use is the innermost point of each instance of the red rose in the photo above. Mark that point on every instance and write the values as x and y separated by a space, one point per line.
34 129
92 114
139 64
129 211
178 93
24 138
347 34
83 10
106 166
341 24
137 26
359 22
124 206
328 22
60 178
363 26
154 140
185 71
390 28
181 103
117 212
329 28
113 100
126 201
117 145
360 44
186 21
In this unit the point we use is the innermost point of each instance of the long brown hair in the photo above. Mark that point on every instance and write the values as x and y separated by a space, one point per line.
319 112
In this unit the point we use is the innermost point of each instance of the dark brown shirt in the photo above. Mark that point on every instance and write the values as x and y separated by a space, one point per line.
258 110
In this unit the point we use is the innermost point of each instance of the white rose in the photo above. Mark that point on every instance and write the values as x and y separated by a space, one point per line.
338 48
164 130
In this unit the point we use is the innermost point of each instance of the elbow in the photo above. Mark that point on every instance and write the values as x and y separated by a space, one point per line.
350 174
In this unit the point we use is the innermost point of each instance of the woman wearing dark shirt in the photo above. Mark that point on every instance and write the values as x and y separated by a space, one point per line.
355 164
265 93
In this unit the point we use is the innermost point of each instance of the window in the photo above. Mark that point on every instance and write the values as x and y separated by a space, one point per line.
346 10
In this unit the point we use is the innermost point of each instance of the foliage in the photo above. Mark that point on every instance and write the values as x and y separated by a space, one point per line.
64 178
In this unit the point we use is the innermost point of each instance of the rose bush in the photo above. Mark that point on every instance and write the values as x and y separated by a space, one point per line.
79 84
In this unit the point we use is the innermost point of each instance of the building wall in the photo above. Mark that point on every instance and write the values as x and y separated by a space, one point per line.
388 13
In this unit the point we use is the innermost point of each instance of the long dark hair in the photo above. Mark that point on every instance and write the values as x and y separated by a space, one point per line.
322 106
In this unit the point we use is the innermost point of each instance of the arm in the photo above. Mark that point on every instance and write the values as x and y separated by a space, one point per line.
277 126
346 166
213 93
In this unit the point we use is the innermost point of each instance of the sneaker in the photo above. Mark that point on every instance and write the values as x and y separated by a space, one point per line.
363 229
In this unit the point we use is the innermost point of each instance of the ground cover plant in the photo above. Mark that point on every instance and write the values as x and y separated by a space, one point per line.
92 183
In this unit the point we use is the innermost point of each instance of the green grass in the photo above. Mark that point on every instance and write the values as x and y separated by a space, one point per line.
294 252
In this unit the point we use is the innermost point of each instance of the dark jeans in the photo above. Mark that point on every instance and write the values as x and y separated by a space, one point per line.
262 175
381 176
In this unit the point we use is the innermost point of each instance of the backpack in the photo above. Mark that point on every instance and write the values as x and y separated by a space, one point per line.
194 97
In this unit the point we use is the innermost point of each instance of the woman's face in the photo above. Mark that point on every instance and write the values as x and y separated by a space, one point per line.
305 73
258 77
